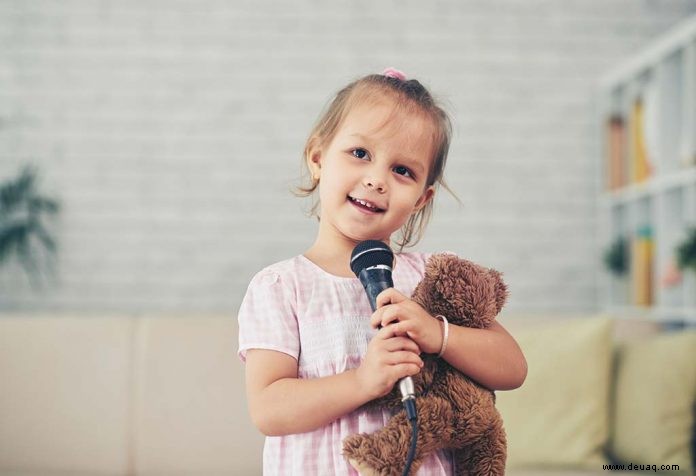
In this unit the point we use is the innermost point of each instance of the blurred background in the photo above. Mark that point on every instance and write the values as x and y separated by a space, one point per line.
171 132
148 150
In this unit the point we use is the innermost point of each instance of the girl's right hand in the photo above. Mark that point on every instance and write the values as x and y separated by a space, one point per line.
389 358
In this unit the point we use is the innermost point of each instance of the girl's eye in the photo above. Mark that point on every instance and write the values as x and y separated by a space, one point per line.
360 153
401 170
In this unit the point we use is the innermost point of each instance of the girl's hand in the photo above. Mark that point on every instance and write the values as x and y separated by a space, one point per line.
389 358
407 318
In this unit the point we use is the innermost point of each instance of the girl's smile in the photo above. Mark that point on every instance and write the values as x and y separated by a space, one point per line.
365 206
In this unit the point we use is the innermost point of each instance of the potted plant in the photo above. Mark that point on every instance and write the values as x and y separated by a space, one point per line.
616 257
617 262
686 252
22 230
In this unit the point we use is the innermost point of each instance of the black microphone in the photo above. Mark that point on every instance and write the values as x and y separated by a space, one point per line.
372 262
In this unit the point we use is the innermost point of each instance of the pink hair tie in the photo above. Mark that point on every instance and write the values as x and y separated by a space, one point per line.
394 73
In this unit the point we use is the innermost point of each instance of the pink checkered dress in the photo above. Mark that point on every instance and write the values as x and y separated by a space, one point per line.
321 320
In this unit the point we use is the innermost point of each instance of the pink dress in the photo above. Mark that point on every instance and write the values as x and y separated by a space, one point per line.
322 320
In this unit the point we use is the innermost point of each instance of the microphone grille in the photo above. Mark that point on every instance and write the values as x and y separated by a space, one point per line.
370 253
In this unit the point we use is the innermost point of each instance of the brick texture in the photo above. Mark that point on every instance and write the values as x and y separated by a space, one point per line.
172 131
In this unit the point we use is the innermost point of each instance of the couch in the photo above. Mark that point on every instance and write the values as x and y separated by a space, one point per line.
164 395
601 391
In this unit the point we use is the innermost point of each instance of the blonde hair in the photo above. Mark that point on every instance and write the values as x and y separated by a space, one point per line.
410 97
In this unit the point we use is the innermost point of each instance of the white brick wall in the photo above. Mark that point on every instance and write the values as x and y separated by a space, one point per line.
171 132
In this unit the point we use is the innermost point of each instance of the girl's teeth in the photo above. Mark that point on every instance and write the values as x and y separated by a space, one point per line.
368 205
363 202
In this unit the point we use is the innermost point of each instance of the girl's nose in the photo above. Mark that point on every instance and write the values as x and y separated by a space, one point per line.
375 183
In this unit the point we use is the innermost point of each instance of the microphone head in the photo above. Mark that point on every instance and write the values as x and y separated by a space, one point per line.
370 253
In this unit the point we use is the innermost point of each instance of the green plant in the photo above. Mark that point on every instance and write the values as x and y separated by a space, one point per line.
686 251
616 257
22 231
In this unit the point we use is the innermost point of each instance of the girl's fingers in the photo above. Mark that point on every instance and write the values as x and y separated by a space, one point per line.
386 332
404 357
390 315
389 296
401 343
405 370
386 315
394 329
392 341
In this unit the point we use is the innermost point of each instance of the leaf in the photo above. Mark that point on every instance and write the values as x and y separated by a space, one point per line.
12 236
45 238
26 259
616 257
39 204
21 211
17 192
686 251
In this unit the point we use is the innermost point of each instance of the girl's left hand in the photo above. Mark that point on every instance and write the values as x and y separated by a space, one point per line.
408 318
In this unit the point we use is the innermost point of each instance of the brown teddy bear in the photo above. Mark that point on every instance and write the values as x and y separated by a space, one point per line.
453 411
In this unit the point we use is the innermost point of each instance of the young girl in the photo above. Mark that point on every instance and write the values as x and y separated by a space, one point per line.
310 341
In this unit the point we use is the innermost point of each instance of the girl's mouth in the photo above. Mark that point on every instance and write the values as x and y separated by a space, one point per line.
365 205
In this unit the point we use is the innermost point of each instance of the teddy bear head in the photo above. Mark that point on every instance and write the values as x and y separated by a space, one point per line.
467 294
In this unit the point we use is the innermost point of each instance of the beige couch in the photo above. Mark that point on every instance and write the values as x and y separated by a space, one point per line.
601 391
120 395
164 395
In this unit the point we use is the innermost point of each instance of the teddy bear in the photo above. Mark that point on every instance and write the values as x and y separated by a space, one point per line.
453 411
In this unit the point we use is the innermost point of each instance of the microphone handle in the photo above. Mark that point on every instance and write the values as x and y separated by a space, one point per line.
375 280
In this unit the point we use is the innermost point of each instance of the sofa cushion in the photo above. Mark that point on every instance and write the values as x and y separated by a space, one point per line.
64 403
655 394
560 416
190 412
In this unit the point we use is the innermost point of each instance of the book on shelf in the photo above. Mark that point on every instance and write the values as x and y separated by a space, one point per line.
639 161
616 152
628 145
642 256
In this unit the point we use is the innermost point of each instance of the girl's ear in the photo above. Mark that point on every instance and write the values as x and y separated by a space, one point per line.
314 157
427 196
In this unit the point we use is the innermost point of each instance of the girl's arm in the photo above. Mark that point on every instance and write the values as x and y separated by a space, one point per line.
280 403
489 356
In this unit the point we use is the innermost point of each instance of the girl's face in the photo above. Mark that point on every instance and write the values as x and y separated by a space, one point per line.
372 176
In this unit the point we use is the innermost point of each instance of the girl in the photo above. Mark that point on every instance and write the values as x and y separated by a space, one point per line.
313 354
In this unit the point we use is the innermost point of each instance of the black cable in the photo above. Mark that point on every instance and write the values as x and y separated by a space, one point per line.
410 406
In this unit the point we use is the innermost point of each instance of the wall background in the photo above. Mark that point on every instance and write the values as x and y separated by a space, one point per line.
171 132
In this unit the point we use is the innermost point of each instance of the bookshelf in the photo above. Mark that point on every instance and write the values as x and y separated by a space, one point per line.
647 110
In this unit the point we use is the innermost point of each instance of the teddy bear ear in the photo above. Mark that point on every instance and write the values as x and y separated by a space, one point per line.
501 290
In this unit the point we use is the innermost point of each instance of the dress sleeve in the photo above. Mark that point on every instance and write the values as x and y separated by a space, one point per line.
267 318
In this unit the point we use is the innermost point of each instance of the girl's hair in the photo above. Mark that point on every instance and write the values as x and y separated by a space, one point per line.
410 96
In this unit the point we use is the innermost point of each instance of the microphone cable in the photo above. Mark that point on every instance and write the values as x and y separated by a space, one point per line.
410 406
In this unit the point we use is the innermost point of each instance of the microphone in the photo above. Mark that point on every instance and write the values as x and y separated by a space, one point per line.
372 262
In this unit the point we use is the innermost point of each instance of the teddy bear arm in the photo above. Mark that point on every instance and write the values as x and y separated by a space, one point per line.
474 410
383 452
486 455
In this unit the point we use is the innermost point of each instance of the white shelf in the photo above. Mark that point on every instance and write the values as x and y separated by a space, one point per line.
682 34
652 186
654 95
